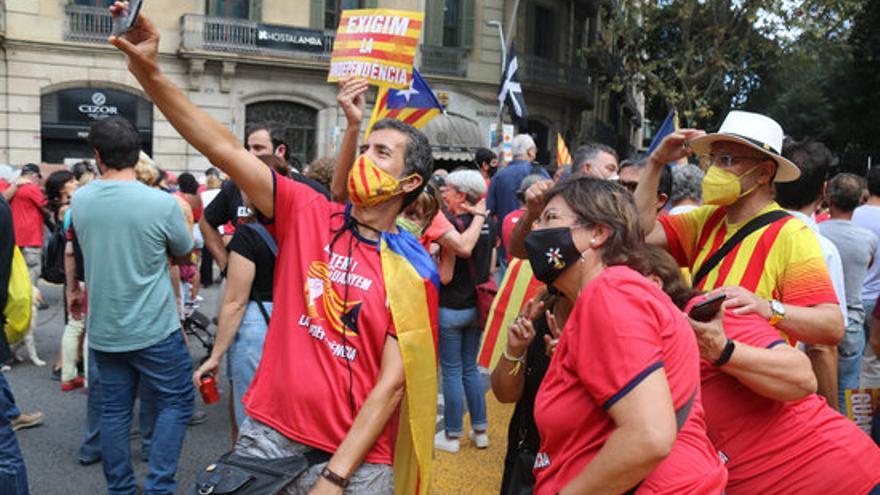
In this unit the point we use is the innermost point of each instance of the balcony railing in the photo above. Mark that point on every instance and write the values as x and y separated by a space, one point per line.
87 24
221 34
542 73
444 60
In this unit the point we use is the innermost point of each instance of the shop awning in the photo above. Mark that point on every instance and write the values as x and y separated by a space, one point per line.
453 137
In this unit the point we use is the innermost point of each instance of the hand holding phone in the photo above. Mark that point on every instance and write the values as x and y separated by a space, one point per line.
707 309
126 20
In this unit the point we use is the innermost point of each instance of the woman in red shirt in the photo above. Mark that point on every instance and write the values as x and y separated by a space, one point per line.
619 410
774 432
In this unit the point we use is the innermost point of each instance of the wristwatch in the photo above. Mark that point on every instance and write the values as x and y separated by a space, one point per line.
334 478
777 312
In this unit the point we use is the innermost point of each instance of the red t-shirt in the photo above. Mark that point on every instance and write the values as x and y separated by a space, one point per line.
3 185
803 446
439 226
622 329
507 227
27 215
309 370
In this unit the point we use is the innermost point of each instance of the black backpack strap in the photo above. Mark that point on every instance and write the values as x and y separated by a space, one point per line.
753 225
273 247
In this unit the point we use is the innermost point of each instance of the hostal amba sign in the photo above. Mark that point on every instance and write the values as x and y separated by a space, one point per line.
290 39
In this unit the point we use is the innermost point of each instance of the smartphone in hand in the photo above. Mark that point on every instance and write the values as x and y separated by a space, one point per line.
127 19
707 309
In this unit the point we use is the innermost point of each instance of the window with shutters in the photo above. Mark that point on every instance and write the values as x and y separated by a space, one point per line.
299 125
333 10
544 33
451 20
233 9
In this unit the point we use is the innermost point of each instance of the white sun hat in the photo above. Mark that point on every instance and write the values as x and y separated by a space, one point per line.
755 131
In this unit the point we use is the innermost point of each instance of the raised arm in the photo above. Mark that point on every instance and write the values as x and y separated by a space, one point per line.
534 206
212 139
673 148
351 100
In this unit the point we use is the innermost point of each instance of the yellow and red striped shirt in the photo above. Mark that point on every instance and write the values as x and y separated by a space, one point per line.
781 261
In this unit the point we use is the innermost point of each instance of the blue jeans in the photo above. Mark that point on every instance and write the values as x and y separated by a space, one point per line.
459 344
90 448
245 354
849 353
13 475
165 370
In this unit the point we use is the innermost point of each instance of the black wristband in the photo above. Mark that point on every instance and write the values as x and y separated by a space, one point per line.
334 478
725 354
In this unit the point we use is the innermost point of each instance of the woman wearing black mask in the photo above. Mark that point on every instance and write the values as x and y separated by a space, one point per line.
626 360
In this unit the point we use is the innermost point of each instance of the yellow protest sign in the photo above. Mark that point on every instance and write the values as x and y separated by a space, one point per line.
376 44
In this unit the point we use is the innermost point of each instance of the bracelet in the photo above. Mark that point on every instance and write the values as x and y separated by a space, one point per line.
725 354
334 478
519 362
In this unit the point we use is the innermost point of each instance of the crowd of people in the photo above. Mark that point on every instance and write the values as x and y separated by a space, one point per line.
703 309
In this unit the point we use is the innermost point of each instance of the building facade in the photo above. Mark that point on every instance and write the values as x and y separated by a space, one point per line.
246 61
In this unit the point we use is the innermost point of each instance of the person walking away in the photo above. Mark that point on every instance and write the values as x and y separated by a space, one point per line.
29 209
127 230
857 246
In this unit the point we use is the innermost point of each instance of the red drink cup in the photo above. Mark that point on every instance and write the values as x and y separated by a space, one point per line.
208 388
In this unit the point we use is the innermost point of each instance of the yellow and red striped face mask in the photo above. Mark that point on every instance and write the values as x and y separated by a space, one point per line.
369 185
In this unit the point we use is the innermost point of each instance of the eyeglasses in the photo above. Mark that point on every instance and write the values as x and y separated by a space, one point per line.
726 161
550 215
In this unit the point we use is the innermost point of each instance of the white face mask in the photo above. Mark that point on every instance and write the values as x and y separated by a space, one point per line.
614 177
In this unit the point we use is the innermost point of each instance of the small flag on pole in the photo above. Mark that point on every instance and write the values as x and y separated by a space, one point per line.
511 91
670 125
563 157
416 105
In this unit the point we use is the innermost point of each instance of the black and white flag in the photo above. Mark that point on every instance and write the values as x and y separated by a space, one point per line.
511 92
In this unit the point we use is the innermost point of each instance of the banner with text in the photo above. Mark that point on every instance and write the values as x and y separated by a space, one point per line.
376 44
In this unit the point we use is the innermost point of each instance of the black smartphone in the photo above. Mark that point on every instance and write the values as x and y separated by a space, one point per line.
124 22
707 309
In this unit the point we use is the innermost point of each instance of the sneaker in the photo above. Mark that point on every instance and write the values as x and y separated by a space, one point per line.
481 439
198 417
56 374
73 384
88 461
27 420
446 444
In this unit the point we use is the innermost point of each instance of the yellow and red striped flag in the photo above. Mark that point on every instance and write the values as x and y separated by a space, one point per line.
519 285
415 106
563 157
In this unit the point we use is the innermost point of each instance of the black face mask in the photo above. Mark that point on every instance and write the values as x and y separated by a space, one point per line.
551 252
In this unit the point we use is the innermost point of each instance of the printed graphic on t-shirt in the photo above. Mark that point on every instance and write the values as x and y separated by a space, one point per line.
327 309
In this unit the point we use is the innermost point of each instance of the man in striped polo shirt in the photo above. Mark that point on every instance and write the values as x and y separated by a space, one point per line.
777 270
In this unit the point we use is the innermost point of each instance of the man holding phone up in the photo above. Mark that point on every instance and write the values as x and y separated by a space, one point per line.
774 267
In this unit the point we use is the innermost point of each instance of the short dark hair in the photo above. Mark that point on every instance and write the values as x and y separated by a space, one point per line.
417 156
874 181
81 168
589 151
665 185
484 155
602 202
276 134
187 183
116 142
54 185
845 191
212 172
814 159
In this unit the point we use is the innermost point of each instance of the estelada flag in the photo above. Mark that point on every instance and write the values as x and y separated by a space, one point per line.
415 106
412 287
518 286
563 157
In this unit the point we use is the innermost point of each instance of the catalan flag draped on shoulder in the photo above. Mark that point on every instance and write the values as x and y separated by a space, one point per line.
415 106
563 157
412 287
518 286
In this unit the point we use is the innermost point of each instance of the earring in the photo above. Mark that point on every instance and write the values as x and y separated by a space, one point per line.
592 241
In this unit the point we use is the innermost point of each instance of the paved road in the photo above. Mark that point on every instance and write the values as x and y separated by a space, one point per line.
50 450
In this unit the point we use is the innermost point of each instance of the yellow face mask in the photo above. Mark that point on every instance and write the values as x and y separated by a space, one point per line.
369 185
722 188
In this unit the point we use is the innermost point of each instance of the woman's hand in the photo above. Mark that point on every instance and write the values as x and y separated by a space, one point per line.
478 209
521 332
552 340
710 337
211 365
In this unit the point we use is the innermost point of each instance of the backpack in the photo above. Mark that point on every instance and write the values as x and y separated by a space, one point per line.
53 256
19 302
